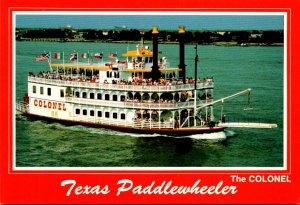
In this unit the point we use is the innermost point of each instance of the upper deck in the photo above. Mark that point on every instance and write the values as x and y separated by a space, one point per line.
121 86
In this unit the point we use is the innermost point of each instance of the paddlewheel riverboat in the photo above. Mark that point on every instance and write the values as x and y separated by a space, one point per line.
141 94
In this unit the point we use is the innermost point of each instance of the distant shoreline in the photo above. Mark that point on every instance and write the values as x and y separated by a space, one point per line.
231 43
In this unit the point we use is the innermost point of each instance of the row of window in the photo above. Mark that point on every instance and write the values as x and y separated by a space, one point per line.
98 96
34 90
99 113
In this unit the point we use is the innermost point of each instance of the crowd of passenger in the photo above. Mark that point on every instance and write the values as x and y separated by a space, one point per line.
67 76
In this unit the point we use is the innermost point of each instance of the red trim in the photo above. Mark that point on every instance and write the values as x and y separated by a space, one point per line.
170 131
38 187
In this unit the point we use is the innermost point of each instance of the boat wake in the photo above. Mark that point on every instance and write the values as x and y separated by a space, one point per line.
209 136
106 132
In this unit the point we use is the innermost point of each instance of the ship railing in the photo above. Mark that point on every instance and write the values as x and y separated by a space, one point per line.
22 107
168 105
152 124
137 105
94 102
136 124
136 88
156 88
100 120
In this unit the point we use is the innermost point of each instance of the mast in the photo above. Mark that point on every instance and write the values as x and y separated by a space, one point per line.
181 37
195 83
196 61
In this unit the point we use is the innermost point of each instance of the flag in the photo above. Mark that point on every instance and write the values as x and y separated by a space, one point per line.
58 55
112 55
85 55
42 57
73 56
98 55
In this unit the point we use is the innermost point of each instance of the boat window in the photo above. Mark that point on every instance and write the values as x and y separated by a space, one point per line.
107 114
49 91
92 112
123 116
116 74
99 96
92 95
106 96
34 89
123 98
115 98
42 90
115 115
62 93
77 94
109 74
77 111
99 113
84 112
84 95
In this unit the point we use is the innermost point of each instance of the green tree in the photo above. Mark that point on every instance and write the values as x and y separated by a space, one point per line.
272 37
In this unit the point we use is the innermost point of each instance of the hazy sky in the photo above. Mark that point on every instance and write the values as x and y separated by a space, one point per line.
209 22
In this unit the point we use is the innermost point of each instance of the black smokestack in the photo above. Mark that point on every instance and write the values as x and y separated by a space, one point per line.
155 73
181 32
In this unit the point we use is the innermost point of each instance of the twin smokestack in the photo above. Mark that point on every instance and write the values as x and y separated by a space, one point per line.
155 73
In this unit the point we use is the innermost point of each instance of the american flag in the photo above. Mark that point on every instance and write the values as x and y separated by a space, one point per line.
73 56
98 55
112 55
42 57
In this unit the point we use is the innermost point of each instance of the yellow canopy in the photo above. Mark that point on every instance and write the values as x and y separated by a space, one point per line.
89 67
140 53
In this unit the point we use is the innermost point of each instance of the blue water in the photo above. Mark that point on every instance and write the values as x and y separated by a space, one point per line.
44 144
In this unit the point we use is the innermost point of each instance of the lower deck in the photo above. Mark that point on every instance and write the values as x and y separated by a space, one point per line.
132 127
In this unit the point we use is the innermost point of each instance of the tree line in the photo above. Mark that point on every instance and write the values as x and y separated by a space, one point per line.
201 37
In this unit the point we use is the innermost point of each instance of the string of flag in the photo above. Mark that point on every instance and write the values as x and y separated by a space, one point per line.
73 56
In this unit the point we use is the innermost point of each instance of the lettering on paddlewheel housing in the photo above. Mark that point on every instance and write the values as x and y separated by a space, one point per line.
50 104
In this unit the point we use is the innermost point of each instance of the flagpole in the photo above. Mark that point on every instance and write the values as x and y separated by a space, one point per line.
77 62
89 59
127 51
49 61
71 72
64 63
77 59
57 72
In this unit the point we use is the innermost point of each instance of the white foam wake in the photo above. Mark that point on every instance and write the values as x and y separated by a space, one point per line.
209 136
